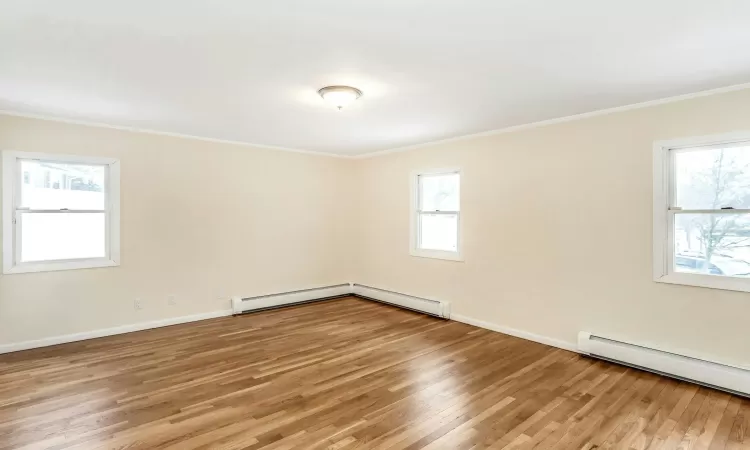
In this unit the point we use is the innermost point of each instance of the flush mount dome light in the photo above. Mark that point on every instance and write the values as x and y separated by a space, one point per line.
340 96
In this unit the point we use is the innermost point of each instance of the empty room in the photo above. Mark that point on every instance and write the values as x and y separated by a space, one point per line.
391 224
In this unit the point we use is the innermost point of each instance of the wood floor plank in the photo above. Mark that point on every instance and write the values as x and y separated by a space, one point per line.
739 436
721 437
347 374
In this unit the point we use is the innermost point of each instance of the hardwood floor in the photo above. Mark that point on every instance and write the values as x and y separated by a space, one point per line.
347 374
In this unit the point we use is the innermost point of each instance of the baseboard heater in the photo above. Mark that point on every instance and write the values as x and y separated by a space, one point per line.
250 304
432 307
435 308
732 379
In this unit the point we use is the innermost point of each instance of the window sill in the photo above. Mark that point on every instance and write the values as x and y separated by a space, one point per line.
61 265
437 254
707 281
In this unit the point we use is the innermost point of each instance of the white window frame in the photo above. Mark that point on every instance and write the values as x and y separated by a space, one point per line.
664 213
415 213
12 182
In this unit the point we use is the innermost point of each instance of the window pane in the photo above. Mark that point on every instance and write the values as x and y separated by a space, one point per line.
717 244
55 236
438 232
713 178
51 185
439 192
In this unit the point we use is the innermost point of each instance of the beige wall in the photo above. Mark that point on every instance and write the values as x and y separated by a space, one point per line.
557 233
200 220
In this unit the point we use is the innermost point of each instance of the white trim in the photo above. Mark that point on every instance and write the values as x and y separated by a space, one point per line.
11 238
87 123
414 217
391 297
113 239
707 281
558 120
9 169
565 345
729 138
663 192
661 188
26 345
58 157
73 264
437 254
266 301
369 292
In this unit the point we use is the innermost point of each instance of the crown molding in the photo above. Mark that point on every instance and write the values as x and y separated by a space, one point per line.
163 133
558 120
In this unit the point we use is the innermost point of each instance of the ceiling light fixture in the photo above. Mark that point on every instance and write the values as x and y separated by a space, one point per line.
340 96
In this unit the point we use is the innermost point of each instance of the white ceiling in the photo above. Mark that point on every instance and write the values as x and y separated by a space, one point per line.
248 70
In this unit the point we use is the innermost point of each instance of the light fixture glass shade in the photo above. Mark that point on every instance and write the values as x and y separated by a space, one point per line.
340 96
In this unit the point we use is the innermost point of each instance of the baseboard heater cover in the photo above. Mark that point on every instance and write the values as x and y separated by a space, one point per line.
242 305
432 307
435 308
720 376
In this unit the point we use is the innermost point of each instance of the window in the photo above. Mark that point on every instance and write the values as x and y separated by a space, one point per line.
59 212
436 214
702 212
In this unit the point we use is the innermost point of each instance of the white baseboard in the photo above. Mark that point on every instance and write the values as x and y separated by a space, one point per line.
443 310
570 346
26 345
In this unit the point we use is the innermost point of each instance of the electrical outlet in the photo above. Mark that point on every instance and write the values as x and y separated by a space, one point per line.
171 300
224 300
137 304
